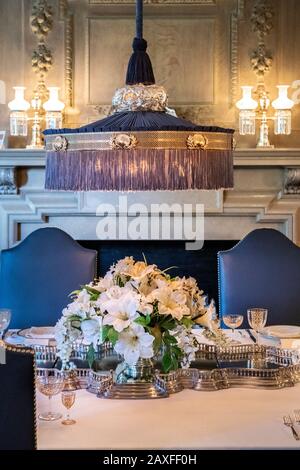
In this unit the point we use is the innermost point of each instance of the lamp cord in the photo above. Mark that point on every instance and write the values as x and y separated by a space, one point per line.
139 18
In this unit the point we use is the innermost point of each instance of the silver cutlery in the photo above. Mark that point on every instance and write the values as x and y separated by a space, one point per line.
287 420
297 416
251 336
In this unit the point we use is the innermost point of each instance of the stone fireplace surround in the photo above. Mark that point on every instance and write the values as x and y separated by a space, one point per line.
266 194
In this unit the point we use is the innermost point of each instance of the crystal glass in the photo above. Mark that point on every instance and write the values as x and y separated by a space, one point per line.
5 316
233 322
247 122
68 399
257 319
50 383
283 122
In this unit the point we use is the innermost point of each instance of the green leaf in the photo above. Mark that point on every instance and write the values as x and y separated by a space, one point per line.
105 331
167 362
112 336
155 331
143 320
187 322
168 324
91 355
90 290
169 339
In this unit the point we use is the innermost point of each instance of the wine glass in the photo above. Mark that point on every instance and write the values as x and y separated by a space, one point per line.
257 318
50 383
233 322
5 316
68 400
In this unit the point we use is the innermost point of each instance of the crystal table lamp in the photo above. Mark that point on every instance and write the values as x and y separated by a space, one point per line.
247 106
283 115
18 116
53 108
248 113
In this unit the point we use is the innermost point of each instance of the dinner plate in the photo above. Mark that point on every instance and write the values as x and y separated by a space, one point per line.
38 332
281 331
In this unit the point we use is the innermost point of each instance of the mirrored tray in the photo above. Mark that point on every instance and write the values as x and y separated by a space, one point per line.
215 368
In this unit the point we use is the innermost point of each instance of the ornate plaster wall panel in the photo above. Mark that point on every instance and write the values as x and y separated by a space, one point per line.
181 49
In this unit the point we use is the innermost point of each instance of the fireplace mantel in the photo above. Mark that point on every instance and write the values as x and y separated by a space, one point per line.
266 194
242 157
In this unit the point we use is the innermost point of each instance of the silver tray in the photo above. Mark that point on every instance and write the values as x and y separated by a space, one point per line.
215 368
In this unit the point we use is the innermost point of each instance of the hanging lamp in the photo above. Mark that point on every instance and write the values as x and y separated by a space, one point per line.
142 145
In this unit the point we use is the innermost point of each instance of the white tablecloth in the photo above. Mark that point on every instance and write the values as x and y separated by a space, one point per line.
228 419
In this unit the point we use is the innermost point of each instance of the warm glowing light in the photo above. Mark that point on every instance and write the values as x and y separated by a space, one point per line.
283 115
247 102
53 108
18 116
247 106
283 101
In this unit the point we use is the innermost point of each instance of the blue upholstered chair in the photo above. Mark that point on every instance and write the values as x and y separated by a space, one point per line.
262 270
17 399
37 276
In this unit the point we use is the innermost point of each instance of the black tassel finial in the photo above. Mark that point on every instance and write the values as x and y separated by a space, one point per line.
139 67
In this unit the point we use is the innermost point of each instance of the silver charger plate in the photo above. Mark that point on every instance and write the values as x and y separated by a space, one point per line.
215 368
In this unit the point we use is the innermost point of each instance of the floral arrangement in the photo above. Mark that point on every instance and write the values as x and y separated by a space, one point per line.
141 310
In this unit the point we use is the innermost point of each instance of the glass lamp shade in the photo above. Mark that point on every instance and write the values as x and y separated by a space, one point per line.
247 122
54 120
247 106
53 108
283 115
283 122
18 116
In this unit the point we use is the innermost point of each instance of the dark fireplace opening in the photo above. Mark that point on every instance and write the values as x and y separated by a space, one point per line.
200 264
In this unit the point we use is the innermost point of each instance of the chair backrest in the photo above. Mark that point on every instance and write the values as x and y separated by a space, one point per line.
262 270
17 399
37 276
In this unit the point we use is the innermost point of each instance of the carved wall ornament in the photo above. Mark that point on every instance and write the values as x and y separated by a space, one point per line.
41 19
42 60
123 141
261 60
197 141
60 143
262 24
67 16
8 181
262 18
41 22
292 181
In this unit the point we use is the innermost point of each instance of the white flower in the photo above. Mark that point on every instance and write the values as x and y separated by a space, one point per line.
171 302
91 331
140 270
121 312
207 320
188 344
104 283
134 343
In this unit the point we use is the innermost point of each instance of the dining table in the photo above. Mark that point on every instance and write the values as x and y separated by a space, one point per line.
232 418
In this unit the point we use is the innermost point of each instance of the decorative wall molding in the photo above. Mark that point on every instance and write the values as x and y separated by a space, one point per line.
236 16
262 25
68 18
8 181
292 181
41 22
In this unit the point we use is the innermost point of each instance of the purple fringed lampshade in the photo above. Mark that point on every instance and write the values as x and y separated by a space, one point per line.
142 145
